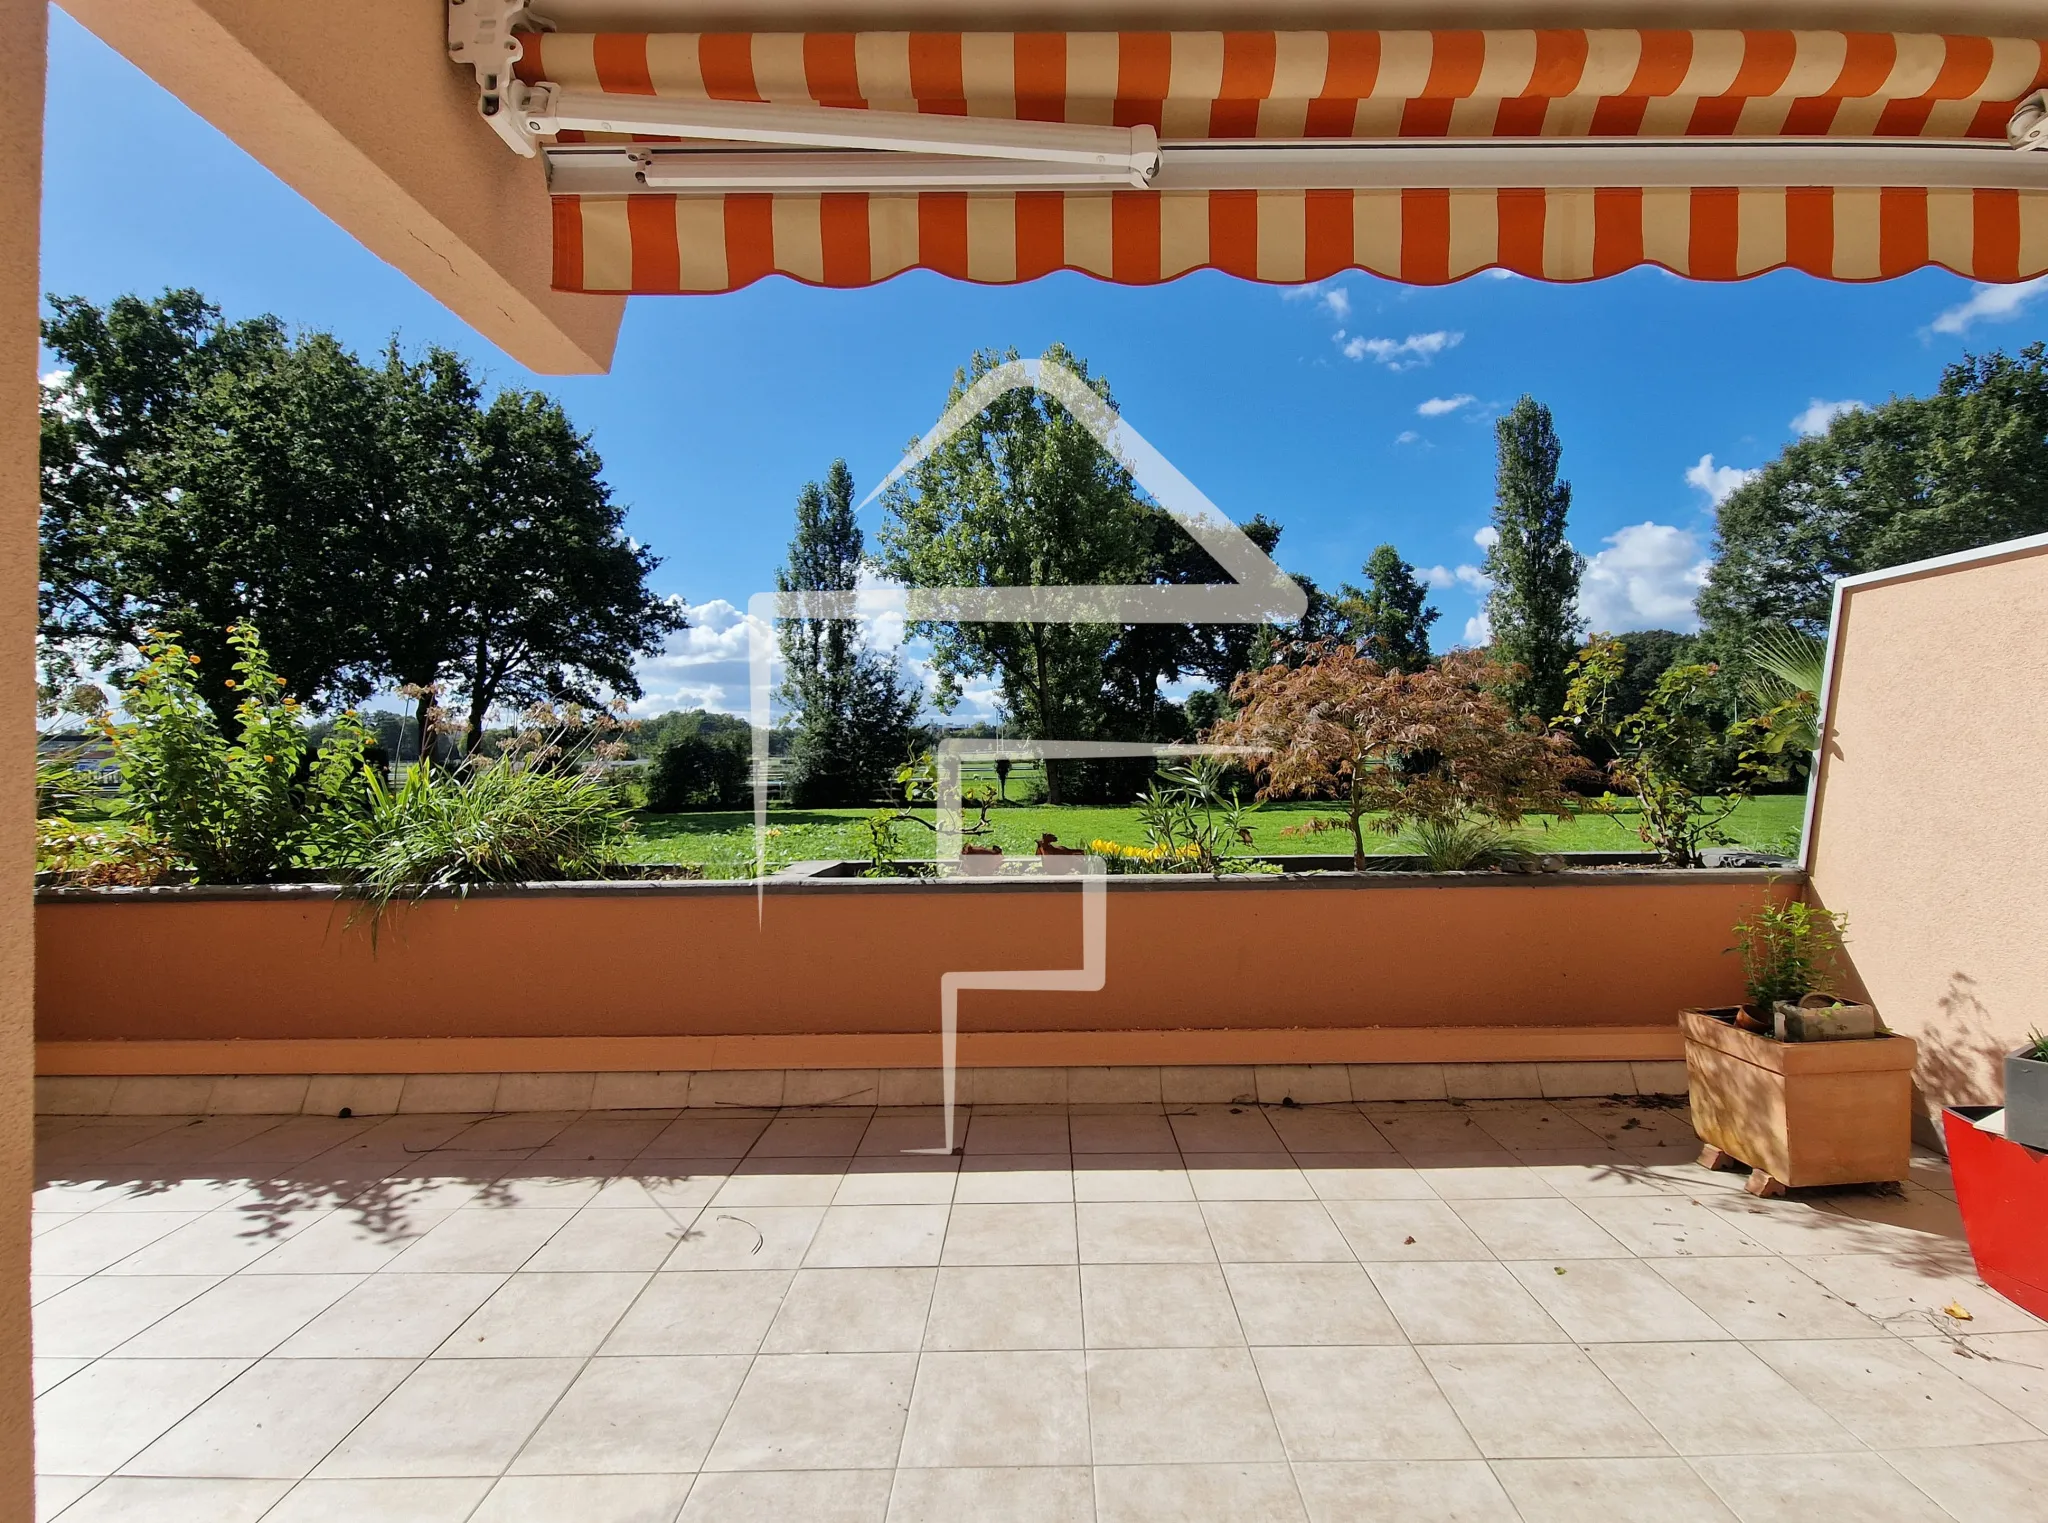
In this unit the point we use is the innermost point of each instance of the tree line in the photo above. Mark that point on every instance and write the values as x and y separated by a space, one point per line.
385 524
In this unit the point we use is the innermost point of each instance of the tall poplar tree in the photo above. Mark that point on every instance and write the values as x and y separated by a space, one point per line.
1533 609
854 712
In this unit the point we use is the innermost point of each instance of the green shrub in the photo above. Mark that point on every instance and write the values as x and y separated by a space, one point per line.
1467 844
496 822
696 771
1788 951
239 811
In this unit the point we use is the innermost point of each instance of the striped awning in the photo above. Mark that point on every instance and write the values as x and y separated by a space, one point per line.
1194 87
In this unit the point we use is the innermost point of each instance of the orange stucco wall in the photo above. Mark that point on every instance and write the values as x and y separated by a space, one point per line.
1930 817
839 958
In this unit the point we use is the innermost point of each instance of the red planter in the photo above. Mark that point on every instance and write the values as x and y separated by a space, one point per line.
2002 1188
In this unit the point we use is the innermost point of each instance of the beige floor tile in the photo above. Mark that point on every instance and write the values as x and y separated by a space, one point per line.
48 1374
1534 1125
545 1316
1539 1401
90 1243
1026 1306
1891 1396
1143 1232
1008 1494
1638 1126
1493 1175
54 1493
1309 1304
987 1409
2010 1368
1195 1493
1430 1130
1798 1488
1327 1129
1041 1133
1274 1232
95 1316
1804 1228
1992 1481
586 1498
482 1240
1011 1234
706 1137
1148 1133
275 1421
817 1412
1247 1176
392 1317
782 1182
753 1237
1014 1178
647 1414
1178 1406
1405 1231
891 1134
680 1185
1665 1381
596 1239
202 1192
1613 1301
1765 1298
124 1500
453 1417
818 1496
245 1317
352 1242
223 1242
1403 1491
410 1501
43 1286
898 1181
1908 1296
1223 1129
1537 1229
1131 1177
701 1311
1126 1306
1362 1176
853 1237
852 1311
810 1137
1449 1302
1672 1227
1595 1171
1611 1490
606 1135
1344 1403
104 1415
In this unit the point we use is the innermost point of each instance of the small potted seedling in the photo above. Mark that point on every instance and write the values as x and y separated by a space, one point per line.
1775 1084
2026 1093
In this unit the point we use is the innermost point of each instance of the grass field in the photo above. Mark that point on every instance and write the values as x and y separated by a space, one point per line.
727 839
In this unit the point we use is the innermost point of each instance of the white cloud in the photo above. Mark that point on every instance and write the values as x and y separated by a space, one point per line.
1400 354
1436 407
1647 578
1991 304
1337 302
1479 629
1486 537
1475 578
704 666
1406 436
1437 577
1819 415
1719 482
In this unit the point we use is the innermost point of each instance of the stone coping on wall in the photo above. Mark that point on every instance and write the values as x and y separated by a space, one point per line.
787 884
420 1093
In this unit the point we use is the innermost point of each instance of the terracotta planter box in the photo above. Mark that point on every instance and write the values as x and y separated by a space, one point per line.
1801 1113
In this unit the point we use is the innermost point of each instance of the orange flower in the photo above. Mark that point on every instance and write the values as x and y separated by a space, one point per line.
231 682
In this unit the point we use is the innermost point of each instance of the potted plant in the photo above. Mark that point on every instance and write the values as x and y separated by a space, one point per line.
2026 1093
1775 1086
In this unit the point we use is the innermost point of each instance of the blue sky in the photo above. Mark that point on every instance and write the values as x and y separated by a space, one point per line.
1355 413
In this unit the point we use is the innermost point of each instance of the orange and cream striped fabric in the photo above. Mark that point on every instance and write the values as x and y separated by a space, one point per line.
1320 85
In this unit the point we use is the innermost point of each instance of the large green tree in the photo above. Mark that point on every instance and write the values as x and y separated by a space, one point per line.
380 523
1915 477
855 714
1388 620
1023 497
1533 607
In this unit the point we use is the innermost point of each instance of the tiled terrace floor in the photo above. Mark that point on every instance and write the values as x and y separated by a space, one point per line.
1423 1312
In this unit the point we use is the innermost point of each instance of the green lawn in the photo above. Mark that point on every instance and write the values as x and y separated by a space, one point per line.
726 839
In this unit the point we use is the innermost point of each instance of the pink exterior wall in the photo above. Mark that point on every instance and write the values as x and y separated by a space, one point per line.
1931 808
